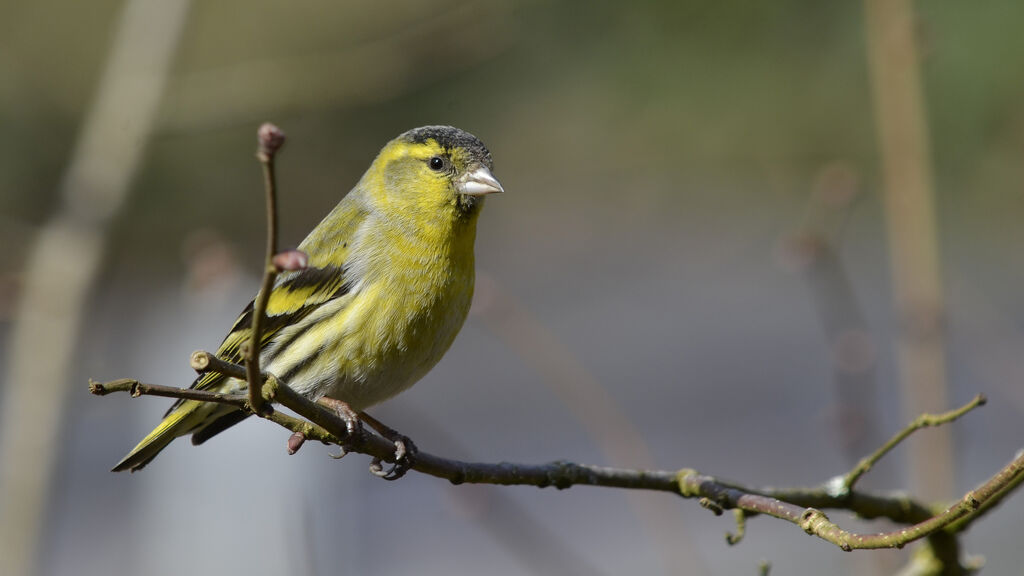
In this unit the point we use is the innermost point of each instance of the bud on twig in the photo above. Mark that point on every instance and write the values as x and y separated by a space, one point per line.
270 139
290 260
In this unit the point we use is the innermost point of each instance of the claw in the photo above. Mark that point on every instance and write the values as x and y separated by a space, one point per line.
377 468
405 450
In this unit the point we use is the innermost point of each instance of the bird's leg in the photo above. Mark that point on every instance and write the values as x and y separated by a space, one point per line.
352 424
405 450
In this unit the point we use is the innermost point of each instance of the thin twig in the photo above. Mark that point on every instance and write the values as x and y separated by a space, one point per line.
734 538
270 138
897 506
999 487
202 361
136 389
327 426
922 421
815 522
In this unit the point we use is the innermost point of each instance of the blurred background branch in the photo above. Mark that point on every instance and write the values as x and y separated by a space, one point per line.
591 405
652 152
815 249
382 62
902 126
63 263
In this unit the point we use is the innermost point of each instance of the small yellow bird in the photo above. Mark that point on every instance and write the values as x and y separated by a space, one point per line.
388 285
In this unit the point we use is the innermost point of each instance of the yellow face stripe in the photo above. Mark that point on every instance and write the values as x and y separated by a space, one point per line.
399 149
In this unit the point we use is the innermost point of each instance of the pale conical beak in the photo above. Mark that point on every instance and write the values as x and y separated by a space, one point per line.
478 182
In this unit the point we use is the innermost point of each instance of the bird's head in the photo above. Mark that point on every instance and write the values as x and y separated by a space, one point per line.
433 170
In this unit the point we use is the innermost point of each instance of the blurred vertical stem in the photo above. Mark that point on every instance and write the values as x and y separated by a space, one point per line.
851 348
65 260
593 406
910 221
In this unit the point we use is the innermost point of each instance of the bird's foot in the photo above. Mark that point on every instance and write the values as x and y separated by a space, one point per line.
405 450
353 426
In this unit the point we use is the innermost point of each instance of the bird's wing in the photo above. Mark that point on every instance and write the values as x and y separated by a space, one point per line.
293 297
297 294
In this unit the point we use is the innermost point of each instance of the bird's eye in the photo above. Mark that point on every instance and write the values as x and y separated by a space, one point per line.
436 163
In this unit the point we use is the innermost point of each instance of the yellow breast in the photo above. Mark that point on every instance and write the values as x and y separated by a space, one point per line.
410 295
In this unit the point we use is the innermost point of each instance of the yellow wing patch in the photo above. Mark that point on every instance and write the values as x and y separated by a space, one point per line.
293 297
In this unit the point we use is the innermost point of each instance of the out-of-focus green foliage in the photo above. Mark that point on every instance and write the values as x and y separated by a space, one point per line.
653 155
581 99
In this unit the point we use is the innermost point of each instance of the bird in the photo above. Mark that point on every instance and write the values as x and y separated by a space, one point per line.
387 286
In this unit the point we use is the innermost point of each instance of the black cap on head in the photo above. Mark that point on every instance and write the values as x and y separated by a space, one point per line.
451 137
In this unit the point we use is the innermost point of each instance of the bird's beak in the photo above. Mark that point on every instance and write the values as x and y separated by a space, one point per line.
478 182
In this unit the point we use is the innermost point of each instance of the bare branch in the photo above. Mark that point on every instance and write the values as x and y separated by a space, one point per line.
734 538
136 389
922 421
800 506
270 138
202 361
995 490
815 522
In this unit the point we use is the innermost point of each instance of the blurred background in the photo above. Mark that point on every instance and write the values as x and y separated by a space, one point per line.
702 259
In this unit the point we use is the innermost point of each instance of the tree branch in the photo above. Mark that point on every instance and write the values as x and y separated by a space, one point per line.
995 489
135 388
270 138
799 506
922 421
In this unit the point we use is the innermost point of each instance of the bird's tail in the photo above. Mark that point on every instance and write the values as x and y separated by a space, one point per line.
184 418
